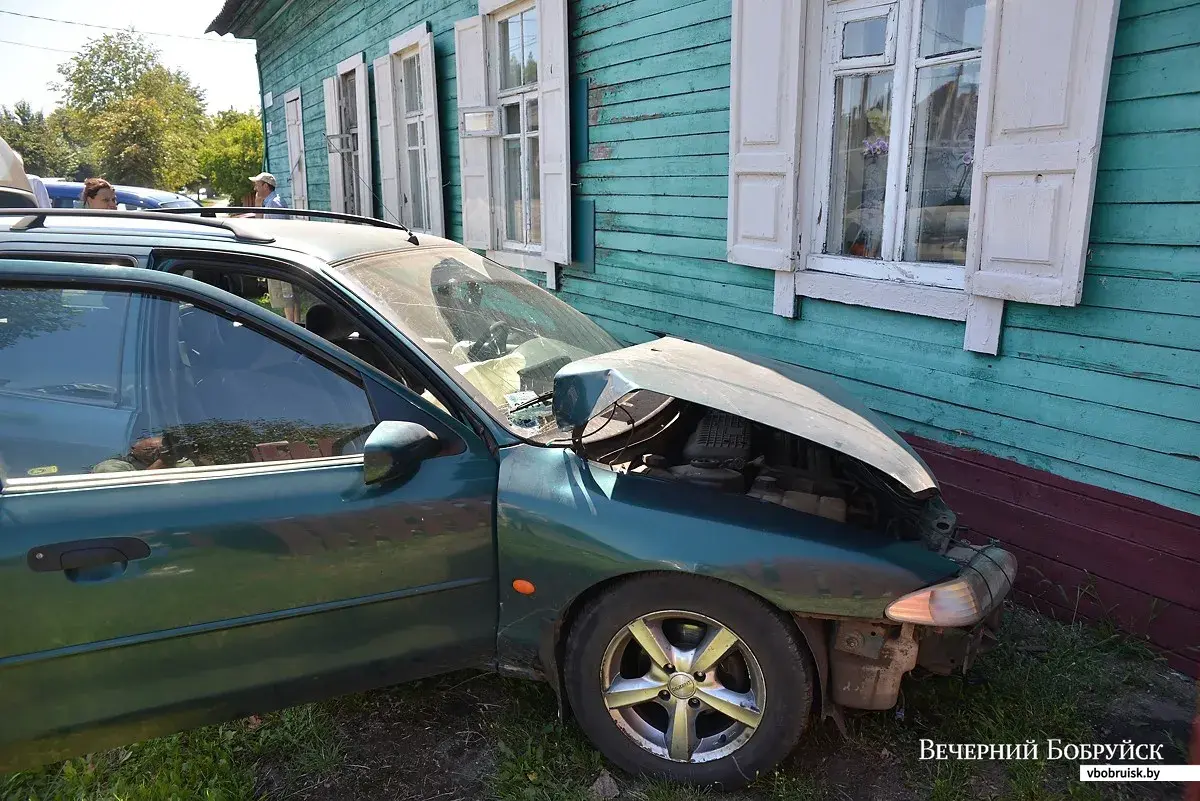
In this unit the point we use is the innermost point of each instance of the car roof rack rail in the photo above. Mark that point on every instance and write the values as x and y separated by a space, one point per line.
36 218
212 211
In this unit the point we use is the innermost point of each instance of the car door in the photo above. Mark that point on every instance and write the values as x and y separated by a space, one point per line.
189 538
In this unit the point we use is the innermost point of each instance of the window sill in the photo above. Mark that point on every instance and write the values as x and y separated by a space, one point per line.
526 261
982 315
948 276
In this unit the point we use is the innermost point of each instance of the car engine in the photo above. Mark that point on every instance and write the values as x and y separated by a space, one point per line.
727 453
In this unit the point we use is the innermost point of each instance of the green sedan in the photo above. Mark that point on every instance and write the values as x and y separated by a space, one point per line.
250 463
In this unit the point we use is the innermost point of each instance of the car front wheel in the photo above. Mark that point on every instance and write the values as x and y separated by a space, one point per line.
688 678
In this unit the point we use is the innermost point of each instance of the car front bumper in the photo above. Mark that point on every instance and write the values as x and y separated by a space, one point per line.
868 658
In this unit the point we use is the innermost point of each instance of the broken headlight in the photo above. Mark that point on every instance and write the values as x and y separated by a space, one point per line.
979 588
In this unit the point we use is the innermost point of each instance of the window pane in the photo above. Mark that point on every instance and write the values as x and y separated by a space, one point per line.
531 114
948 26
243 397
529 24
479 121
412 85
417 177
512 190
512 119
62 343
864 37
282 297
939 199
510 50
860 162
61 387
535 193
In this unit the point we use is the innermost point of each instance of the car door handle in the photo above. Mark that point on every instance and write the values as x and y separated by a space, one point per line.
80 554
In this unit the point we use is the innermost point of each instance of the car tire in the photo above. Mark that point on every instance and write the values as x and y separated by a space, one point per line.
635 736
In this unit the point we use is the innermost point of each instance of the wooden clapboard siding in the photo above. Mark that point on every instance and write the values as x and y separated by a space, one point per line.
1085 553
303 46
1107 393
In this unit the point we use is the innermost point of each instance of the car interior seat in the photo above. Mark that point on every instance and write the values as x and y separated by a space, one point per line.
336 329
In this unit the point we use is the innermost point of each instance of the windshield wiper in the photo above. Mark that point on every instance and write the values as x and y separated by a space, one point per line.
539 399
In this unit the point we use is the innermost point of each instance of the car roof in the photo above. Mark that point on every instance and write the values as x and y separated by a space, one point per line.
330 242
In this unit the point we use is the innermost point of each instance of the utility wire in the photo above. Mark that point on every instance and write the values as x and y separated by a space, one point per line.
39 47
110 28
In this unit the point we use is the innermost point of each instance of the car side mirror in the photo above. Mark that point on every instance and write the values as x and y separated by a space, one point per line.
394 451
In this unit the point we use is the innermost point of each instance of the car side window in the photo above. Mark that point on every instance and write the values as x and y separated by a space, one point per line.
293 301
95 381
62 343
235 395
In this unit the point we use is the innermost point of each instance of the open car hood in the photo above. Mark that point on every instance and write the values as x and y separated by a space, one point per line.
783 396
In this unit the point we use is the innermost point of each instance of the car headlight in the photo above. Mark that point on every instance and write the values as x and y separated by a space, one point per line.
962 601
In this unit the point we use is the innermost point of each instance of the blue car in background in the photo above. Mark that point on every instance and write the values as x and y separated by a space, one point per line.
67 194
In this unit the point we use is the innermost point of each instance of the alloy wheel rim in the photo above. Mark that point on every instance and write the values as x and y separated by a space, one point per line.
682 686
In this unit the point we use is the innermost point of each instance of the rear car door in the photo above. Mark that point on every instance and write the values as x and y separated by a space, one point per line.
185 531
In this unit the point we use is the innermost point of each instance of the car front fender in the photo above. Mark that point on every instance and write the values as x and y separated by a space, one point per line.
568 526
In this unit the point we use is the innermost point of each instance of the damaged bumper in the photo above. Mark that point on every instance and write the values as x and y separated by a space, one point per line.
942 628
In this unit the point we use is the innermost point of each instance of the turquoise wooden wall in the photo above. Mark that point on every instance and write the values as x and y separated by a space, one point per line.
1107 393
303 46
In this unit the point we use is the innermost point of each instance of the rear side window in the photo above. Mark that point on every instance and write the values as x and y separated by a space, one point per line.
62 343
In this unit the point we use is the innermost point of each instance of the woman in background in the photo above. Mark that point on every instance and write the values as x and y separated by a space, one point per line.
99 194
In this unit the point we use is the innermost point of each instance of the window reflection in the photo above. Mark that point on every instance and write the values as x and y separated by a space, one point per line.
862 132
939 184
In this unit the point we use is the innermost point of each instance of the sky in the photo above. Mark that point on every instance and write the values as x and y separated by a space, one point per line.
222 66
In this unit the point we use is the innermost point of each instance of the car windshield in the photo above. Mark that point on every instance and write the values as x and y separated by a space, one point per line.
501 337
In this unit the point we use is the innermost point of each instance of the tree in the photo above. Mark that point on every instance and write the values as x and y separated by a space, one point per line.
44 149
105 71
182 106
114 78
133 143
232 151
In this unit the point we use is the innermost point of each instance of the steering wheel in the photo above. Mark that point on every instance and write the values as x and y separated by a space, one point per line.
491 345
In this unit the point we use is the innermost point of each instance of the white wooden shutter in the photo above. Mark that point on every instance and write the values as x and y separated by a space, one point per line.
433 142
337 200
554 114
1045 77
389 163
474 152
297 173
764 95
365 188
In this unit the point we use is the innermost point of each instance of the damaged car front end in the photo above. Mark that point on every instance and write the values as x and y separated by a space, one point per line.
752 432
699 550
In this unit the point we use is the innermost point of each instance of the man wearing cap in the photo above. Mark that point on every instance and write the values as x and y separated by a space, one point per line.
267 196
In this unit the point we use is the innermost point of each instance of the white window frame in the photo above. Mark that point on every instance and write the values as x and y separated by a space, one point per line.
1033 170
335 137
394 118
904 60
480 116
297 162
519 96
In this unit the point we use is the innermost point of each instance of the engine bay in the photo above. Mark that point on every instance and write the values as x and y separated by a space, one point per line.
727 453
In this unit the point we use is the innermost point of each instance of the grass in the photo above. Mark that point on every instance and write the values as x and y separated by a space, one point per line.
479 736
216 763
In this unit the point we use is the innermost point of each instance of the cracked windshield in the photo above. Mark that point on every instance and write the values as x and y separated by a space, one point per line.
498 335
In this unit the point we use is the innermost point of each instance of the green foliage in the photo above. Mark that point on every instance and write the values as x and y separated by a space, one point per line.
215 763
134 119
105 71
132 143
232 151
43 147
